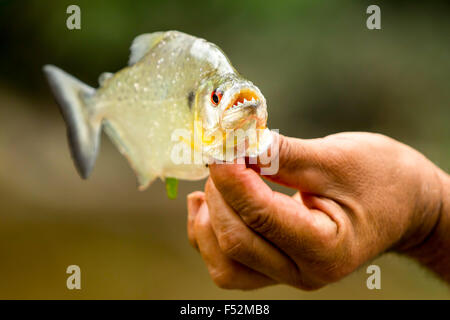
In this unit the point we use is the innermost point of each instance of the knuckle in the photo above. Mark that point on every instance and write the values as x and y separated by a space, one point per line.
326 240
332 262
231 244
303 282
258 221
334 272
223 279
330 234
336 269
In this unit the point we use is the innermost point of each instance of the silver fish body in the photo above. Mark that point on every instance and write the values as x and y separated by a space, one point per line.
172 83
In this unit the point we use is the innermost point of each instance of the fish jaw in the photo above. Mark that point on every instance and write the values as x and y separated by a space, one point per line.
242 104
242 127
239 117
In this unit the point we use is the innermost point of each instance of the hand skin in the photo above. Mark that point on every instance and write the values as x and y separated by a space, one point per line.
360 194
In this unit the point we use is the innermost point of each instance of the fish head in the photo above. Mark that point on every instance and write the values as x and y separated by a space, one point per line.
230 102
226 103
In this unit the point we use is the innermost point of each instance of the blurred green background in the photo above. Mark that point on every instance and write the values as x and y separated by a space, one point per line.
321 70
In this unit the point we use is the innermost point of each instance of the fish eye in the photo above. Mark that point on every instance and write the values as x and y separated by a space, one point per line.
216 96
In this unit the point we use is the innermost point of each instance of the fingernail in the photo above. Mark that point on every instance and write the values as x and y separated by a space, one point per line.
194 201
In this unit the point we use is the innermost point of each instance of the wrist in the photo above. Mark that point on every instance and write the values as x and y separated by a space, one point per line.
433 250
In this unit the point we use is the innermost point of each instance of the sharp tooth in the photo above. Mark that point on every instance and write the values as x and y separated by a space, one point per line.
253 98
245 100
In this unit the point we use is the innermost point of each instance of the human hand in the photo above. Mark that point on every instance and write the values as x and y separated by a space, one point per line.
360 194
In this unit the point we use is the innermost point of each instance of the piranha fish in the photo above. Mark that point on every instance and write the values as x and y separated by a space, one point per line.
173 81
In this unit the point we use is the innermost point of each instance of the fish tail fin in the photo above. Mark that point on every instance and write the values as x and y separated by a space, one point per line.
83 133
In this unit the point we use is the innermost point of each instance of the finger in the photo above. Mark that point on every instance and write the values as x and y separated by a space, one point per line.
225 272
194 202
300 163
297 197
242 244
282 220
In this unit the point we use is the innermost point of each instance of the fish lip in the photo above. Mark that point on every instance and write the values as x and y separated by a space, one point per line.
243 122
254 104
235 98
237 117
234 106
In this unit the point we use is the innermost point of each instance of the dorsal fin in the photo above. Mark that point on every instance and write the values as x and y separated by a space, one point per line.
142 44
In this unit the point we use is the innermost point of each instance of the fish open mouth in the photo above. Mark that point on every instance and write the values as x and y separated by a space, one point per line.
244 98
243 108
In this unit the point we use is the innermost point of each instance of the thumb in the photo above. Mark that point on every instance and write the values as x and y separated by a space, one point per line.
271 214
300 163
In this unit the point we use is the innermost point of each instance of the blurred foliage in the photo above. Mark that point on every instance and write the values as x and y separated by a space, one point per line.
321 70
